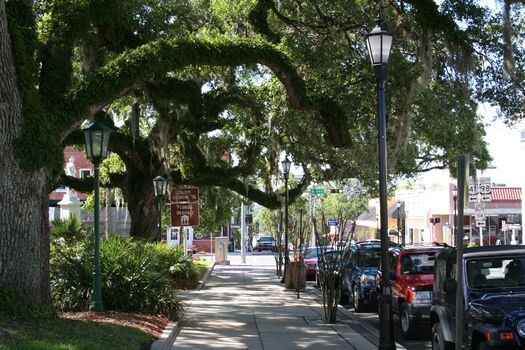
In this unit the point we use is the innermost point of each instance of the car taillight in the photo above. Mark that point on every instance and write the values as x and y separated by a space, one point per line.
506 336
409 295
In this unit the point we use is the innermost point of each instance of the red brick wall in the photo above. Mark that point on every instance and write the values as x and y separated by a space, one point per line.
202 245
80 163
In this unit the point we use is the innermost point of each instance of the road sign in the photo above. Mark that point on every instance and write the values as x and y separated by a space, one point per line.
317 191
485 189
185 195
480 215
480 191
332 222
185 214
473 192
503 225
185 206
514 226
480 223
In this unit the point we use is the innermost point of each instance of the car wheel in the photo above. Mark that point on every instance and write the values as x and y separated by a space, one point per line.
358 302
406 322
438 341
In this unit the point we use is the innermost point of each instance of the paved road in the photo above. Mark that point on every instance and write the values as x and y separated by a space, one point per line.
422 343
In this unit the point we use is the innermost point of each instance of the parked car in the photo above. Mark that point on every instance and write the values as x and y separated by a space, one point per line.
266 243
359 279
412 275
494 296
310 256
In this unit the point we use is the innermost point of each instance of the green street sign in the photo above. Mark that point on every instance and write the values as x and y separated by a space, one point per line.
317 191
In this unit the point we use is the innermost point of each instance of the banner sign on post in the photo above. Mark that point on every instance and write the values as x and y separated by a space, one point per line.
185 206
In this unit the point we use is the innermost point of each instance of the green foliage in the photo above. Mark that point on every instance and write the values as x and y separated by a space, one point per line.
12 305
69 230
135 276
39 145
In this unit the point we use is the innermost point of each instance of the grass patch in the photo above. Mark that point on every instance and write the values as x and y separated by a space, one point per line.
201 266
68 334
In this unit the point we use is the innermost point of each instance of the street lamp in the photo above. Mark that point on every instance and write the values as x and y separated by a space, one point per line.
159 184
454 197
97 139
379 43
286 164
398 204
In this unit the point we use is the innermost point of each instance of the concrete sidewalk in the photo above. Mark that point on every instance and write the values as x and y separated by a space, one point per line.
245 307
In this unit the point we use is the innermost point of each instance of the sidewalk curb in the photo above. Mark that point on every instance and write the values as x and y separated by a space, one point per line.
170 333
313 294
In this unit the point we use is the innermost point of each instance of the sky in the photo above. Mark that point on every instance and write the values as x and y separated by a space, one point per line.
507 151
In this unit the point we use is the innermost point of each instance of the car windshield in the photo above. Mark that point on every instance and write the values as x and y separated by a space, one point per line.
417 263
369 257
310 253
266 239
496 272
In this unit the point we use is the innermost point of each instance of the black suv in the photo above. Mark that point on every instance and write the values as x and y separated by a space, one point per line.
494 290
359 278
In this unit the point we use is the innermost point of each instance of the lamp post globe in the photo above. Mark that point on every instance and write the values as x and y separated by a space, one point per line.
379 44
286 165
160 186
97 141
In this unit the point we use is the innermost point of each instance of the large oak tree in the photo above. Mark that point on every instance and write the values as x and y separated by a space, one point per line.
62 61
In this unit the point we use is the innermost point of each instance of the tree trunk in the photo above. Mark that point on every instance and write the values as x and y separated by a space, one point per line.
24 225
140 197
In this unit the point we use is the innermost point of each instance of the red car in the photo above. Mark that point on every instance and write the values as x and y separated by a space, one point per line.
412 277
310 256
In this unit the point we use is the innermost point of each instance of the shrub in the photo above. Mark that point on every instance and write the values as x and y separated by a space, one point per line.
172 261
134 276
67 231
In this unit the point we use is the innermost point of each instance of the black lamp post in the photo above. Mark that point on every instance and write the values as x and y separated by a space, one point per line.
454 198
398 204
379 43
159 184
97 139
286 164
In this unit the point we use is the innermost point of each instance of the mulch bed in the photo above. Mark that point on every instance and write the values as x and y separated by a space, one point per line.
153 325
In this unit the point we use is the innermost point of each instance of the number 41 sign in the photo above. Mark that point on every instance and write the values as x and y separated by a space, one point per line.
481 189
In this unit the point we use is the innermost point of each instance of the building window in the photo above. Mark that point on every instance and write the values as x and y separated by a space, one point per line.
522 136
85 173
